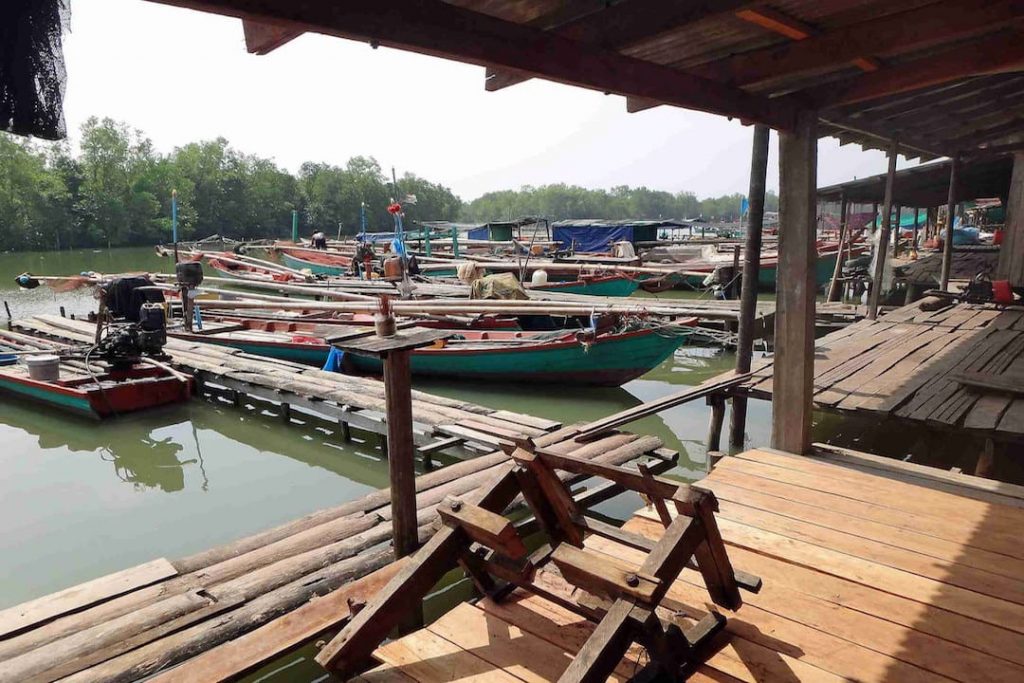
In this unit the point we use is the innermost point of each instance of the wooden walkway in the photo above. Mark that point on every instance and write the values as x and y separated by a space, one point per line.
873 571
960 367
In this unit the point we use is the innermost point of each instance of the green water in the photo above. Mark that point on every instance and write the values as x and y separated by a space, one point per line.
80 499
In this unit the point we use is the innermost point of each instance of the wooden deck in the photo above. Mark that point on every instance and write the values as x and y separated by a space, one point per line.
960 367
873 571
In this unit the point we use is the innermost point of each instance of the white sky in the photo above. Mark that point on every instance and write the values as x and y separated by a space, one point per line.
181 76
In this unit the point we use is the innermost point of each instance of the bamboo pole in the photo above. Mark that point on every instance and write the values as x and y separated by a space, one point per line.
947 244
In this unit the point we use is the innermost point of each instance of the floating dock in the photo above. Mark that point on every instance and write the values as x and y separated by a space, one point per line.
872 570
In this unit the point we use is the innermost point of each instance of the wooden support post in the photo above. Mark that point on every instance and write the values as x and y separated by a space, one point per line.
986 460
286 413
717 404
1011 254
751 271
837 271
898 210
734 280
794 325
346 431
874 217
401 466
883 238
947 240
917 216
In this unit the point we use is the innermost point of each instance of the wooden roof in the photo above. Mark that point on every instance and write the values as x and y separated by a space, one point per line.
942 76
928 185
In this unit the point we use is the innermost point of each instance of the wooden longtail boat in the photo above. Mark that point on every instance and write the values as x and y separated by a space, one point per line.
252 273
609 359
596 285
827 254
114 392
316 262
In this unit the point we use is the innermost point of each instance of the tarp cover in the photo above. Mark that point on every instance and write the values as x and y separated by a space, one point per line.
599 235
499 286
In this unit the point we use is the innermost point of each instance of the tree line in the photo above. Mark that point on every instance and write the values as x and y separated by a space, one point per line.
117 191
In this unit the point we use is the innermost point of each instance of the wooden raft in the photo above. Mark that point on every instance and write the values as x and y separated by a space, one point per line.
225 611
958 367
872 570
357 402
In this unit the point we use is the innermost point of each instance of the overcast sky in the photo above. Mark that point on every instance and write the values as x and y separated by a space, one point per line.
181 76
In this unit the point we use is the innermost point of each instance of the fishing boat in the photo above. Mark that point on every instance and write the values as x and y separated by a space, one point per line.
240 270
113 392
698 269
577 357
596 285
316 261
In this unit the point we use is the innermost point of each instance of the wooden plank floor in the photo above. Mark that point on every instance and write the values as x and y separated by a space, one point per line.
910 364
871 573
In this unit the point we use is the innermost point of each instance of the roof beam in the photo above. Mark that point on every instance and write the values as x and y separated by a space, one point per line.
994 55
620 25
438 29
930 25
987 135
262 38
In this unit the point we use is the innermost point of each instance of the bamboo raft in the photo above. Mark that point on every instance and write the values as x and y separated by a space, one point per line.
225 611
960 367
872 569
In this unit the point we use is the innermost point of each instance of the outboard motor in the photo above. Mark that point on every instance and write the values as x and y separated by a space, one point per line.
132 321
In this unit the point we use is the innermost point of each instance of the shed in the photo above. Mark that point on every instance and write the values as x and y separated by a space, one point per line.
589 234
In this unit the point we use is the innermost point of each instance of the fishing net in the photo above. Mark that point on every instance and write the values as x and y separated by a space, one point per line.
32 72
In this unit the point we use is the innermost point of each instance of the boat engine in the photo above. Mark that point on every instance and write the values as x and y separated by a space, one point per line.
132 320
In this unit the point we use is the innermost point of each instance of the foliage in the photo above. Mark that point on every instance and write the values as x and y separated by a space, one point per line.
117 191
561 201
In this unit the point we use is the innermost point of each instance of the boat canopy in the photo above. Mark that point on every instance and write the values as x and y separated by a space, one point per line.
598 235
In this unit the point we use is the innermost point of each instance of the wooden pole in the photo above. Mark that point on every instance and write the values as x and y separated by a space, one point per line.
401 467
883 238
898 209
751 269
1011 254
917 216
794 326
833 287
947 241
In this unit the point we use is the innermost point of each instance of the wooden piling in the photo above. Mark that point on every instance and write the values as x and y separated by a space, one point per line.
834 286
947 242
883 239
794 326
751 268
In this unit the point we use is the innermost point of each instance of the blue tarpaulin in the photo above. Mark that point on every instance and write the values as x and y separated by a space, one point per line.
599 235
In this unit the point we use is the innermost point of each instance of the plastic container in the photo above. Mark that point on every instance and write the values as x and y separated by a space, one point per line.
384 325
43 368
539 278
393 268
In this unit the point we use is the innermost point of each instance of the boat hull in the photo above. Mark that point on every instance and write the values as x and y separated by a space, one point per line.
80 399
313 267
610 361
607 286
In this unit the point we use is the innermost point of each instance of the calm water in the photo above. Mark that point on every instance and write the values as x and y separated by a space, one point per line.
80 499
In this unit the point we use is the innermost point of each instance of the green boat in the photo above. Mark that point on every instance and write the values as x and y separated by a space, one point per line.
563 356
324 263
601 285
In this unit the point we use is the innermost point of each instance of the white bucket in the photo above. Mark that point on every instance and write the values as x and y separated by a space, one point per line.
540 278
43 368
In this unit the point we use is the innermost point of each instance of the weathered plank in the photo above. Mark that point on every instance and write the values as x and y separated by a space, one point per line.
25 615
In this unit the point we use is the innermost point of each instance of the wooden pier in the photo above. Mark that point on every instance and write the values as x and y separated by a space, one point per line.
958 368
872 571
